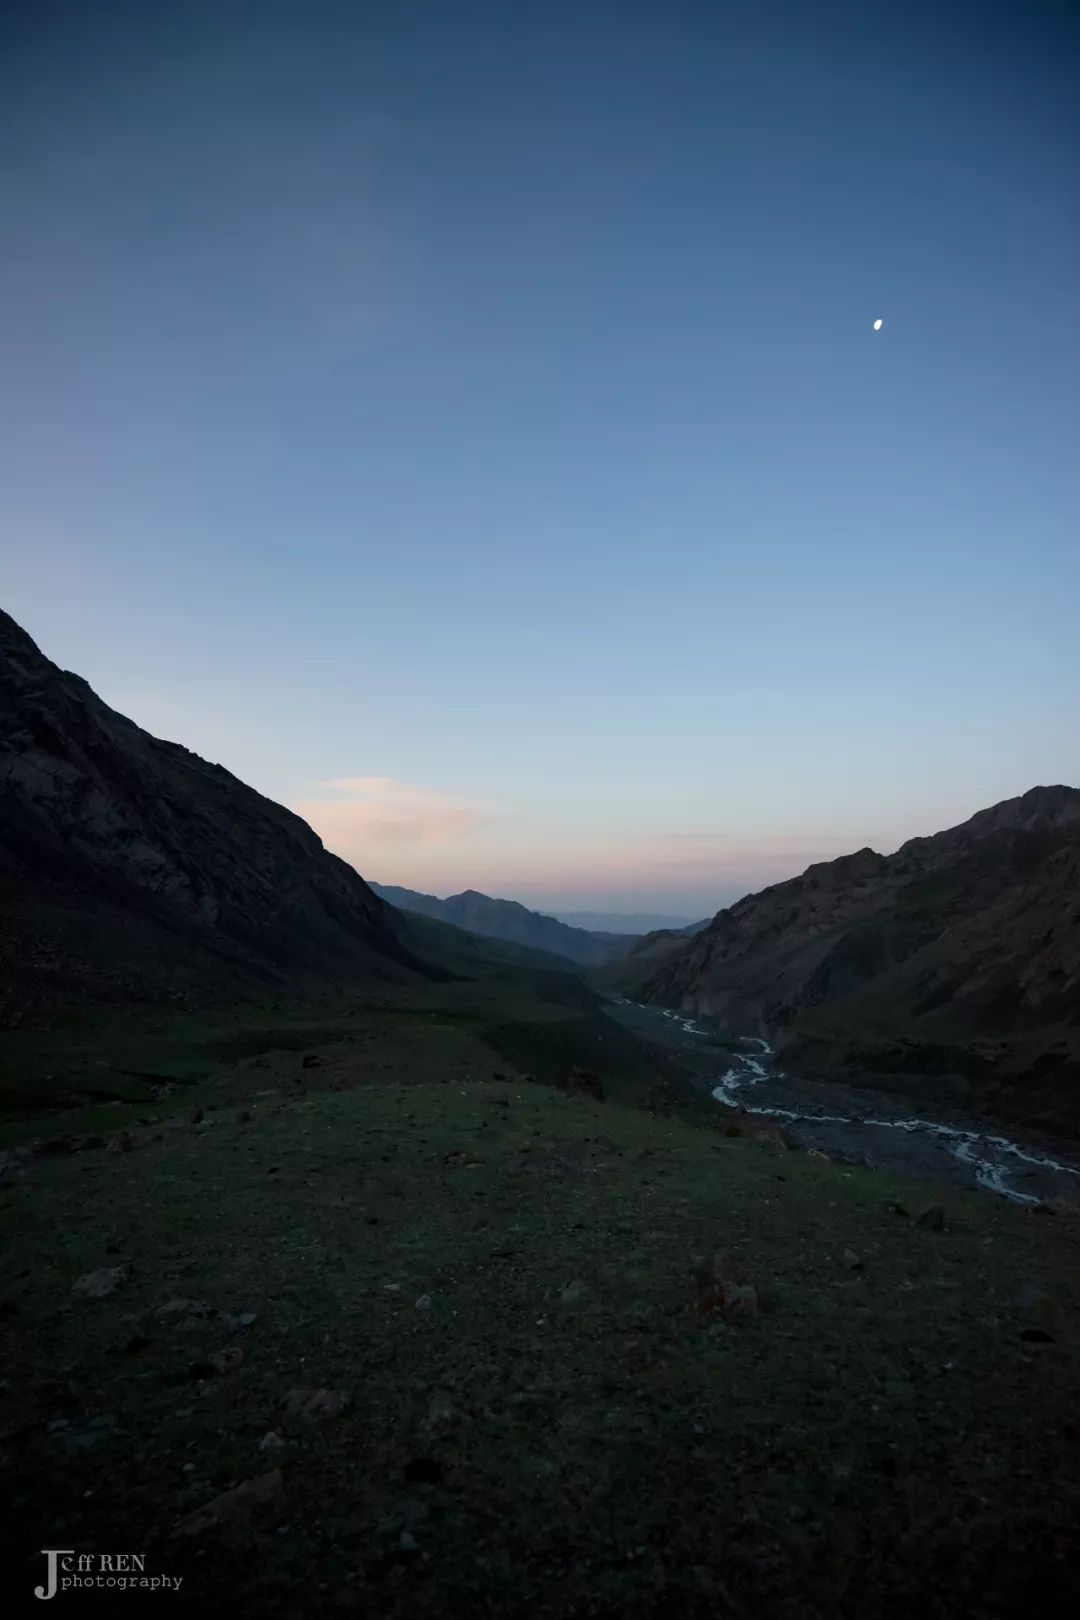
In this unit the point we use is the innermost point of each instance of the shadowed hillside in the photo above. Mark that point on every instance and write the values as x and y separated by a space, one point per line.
130 867
960 953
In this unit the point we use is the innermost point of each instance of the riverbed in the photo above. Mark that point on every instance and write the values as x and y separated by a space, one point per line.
858 1127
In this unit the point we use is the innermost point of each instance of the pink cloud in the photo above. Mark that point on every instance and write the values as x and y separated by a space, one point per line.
361 812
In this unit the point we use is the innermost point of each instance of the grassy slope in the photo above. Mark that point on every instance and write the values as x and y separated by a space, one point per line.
881 1436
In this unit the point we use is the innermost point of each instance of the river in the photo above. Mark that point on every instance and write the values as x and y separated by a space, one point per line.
867 1128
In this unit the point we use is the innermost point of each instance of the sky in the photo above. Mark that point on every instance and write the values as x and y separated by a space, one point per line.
466 423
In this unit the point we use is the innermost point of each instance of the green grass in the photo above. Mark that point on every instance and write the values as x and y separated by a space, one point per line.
879 1440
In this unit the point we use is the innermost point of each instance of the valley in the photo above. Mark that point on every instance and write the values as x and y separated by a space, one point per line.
355 1262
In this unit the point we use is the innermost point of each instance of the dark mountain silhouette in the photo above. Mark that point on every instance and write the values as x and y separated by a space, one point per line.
960 953
130 867
507 920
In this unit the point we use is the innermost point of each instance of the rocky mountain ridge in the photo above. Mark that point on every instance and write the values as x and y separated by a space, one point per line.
961 950
130 866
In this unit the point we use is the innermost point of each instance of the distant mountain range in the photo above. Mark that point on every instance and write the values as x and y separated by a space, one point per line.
622 922
959 955
631 922
507 920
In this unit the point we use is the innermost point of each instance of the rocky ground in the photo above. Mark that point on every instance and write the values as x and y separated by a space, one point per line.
344 1338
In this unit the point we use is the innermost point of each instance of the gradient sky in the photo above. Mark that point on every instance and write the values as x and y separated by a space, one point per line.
464 420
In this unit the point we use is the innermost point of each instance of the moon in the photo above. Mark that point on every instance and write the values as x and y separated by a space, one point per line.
878 324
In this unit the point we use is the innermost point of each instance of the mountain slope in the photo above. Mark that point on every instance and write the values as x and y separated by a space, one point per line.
130 867
960 951
507 920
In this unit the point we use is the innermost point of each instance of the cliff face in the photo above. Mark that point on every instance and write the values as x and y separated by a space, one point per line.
966 943
129 866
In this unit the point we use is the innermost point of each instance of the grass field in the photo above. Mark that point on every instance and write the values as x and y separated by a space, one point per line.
500 1278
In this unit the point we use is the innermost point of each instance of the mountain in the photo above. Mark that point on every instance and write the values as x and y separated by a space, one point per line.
631 922
130 867
960 954
507 920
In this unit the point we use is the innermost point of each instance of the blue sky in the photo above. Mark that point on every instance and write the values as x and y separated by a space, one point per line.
465 422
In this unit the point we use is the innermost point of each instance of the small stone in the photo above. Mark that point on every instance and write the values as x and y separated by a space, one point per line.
932 1218
122 1142
313 1404
271 1441
852 1261
196 1116
1036 1335
241 1319
100 1284
408 1542
228 1360
445 1415
573 1294
255 1498
312 1060
740 1298
891 1207
424 1302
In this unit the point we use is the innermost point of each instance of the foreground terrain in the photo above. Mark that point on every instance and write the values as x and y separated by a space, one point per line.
377 1325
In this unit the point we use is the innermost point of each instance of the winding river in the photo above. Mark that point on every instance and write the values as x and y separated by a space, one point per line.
882 1136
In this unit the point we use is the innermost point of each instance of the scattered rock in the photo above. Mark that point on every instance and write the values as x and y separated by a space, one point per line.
573 1294
314 1404
13 1162
229 1359
424 1302
852 1260
445 1415
582 1081
256 1498
932 1218
100 1284
720 1288
122 1142
740 1298
239 1319
408 1542
271 1441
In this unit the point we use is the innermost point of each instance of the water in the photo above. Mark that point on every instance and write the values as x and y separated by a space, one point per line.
992 1161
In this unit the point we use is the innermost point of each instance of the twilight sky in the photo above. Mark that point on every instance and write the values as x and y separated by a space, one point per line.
465 421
